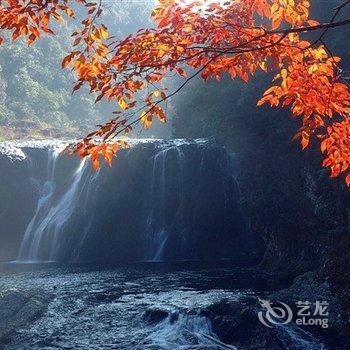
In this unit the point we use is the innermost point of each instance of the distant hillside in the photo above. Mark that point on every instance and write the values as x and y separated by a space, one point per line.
35 93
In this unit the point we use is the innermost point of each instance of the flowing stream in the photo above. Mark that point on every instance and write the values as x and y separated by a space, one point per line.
146 307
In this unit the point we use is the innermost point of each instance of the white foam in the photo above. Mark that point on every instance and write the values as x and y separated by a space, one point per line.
15 149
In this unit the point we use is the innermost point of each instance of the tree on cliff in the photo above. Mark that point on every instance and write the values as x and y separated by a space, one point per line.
206 38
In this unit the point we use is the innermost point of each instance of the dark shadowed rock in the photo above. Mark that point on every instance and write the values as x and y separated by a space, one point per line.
155 315
312 288
19 309
306 287
237 323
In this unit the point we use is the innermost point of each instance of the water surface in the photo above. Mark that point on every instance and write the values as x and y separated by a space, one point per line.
121 307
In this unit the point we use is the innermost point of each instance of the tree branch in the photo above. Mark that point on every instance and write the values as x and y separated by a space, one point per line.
311 28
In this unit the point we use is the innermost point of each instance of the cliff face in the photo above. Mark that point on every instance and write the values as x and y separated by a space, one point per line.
298 210
289 198
17 203
302 214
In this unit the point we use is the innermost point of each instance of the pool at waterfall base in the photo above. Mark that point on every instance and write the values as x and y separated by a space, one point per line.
154 253
148 306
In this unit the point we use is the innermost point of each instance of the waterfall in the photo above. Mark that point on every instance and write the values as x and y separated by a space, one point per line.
158 228
50 216
60 214
30 244
160 201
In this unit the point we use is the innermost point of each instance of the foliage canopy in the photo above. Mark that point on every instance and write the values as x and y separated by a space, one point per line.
206 38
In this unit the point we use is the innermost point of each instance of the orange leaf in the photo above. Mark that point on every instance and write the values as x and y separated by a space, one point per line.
347 179
67 60
146 119
181 72
96 163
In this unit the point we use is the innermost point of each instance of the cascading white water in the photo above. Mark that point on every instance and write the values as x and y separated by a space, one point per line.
61 212
187 331
160 201
30 242
50 216
52 213
157 229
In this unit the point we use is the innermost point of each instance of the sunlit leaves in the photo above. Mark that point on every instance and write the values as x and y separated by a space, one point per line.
146 119
123 105
98 151
336 146
294 12
310 84
30 19
210 39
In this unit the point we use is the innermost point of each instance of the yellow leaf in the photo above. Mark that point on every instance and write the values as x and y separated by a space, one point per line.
274 8
69 12
146 119
104 33
263 66
284 73
293 37
123 105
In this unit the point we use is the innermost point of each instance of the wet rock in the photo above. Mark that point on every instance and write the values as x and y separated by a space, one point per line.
237 323
19 309
105 296
306 287
311 288
155 315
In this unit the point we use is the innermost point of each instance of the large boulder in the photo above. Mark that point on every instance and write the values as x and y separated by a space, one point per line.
19 309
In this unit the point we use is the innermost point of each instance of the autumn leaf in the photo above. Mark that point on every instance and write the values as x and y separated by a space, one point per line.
347 179
230 37
123 105
67 60
96 163
305 142
181 72
146 120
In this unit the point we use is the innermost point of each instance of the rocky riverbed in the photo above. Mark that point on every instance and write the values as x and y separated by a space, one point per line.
155 307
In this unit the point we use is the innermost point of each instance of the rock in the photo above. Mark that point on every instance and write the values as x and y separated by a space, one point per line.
237 323
19 309
306 287
155 315
105 296
310 287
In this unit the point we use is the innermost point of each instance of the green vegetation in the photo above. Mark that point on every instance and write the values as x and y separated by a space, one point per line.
35 93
